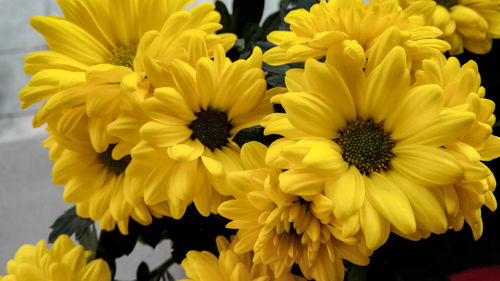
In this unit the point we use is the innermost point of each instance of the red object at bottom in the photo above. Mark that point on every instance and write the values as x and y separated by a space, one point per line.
489 273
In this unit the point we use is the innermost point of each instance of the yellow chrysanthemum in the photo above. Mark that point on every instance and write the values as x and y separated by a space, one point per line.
91 33
65 261
95 181
375 142
282 228
187 147
462 91
355 27
97 88
469 24
204 266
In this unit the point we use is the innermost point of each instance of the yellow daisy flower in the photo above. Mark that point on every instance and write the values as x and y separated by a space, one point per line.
95 181
97 87
65 261
469 24
204 266
91 33
355 27
187 147
462 91
376 142
282 228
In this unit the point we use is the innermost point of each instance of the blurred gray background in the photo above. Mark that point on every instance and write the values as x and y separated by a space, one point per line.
29 202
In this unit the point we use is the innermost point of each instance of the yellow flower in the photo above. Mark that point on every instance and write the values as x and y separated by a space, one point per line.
462 91
376 142
469 24
97 86
187 148
355 27
91 33
95 181
204 266
282 228
65 261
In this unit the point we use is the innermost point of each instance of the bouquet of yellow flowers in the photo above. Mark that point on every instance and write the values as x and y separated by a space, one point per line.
287 150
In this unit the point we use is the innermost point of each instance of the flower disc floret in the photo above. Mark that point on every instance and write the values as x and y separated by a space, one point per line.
366 145
123 56
117 166
447 3
211 128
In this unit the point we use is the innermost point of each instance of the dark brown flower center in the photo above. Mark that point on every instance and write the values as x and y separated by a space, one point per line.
366 145
124 56
117 166
447 3
212 128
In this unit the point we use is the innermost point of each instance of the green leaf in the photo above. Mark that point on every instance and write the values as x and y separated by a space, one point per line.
354 272
245 13
272 22
225 17
70 223
113 244
143 272
255 133
276 81
280 69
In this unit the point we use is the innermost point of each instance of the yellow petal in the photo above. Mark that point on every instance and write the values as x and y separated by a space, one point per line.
325 82
67 38
173 102
447 127
385 196
429 214
301 183
385 86
312 115
95 270
253 155
347 193
188 150
182 182
164 135
416 111
427 166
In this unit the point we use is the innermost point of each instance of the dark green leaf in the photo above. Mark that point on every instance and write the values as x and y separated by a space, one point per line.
303 4
245 13
143 272
279 70
114 245
70 223
252 33
273 22
264 45
169 276
225 19
255 133
276 81
354 272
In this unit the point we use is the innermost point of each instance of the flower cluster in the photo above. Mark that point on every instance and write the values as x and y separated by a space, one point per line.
378 131
65 261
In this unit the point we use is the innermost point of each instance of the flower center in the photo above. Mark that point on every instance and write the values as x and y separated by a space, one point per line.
124 56
117 166
366 145
447 3
211 128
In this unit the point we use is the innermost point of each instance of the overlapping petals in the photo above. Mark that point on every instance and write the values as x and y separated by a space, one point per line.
410 116
65 261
